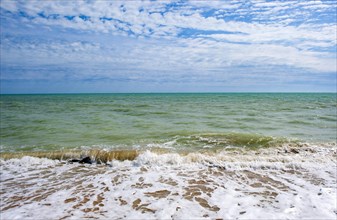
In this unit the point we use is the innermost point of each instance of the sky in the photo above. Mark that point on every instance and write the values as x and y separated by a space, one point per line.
107 46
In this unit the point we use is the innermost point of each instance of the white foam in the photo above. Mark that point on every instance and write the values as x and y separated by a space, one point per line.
171 186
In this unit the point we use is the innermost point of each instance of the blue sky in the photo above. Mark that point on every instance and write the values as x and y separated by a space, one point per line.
168 46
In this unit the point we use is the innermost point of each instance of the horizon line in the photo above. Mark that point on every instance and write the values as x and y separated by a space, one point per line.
92 93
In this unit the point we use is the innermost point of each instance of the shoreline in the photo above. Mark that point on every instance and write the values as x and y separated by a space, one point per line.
257 184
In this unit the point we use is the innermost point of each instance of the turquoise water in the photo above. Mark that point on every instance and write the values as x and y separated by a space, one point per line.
51 122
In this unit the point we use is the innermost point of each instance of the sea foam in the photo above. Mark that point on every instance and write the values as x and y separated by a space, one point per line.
264 184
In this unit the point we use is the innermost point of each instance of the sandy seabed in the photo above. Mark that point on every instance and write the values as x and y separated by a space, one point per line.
279 183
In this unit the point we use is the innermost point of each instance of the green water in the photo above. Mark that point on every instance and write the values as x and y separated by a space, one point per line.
50 122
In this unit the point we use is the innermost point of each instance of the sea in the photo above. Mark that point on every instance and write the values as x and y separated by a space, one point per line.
169 156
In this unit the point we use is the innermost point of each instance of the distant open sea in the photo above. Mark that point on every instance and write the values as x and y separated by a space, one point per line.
169 156
52 122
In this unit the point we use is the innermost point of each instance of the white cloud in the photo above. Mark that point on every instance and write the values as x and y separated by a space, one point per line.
155 48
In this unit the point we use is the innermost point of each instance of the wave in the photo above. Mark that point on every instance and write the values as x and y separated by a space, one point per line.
180 139
195 147
97 155
159 156
221 140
